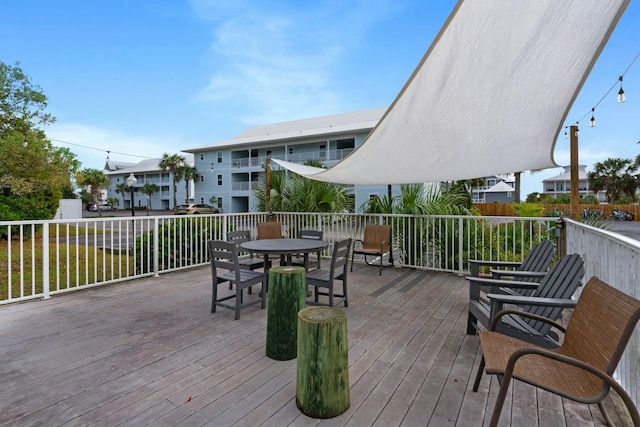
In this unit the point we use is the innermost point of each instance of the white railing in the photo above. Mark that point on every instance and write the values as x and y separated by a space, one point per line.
44 258
615 259
49 257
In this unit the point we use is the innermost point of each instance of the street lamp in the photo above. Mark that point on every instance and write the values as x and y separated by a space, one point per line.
131 182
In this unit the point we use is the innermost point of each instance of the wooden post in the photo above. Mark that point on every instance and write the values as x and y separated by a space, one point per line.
322 383
286 296
267 184
573 171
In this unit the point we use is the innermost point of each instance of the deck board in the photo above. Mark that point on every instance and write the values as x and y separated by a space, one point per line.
149 352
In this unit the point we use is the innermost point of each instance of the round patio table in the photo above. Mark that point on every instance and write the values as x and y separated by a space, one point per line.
283 246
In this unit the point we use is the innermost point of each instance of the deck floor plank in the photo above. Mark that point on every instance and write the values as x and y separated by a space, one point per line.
149 352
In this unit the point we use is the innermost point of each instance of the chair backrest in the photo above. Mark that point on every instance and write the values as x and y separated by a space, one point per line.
539 257
601 325
339 258
238 236
310 234
561 282
375 236
224 255
269 230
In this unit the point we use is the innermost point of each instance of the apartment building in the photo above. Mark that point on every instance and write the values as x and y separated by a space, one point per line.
230 170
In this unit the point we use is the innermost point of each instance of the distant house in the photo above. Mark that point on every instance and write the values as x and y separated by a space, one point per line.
561 184
497 188
145 171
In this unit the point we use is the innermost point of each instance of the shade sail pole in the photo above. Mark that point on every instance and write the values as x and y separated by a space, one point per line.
575 195
267 184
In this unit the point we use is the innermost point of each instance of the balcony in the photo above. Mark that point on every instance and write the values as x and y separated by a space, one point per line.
148 350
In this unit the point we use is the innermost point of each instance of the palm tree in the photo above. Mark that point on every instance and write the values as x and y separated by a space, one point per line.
188 173
96 180
294 193
616 176
123 190
172 162
149 189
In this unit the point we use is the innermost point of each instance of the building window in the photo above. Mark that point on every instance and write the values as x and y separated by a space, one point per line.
201 156
268 153
509 194
219 157
290 150
201 178
220 203
201 199
323 151
219 179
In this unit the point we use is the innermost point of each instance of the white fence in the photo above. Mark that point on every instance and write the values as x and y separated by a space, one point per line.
616 260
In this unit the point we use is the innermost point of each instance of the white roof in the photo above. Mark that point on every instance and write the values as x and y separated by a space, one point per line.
500 187
146 165
327 125
489 97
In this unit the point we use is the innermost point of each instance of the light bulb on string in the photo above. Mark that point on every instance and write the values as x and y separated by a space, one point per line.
566 134
577 130
621 97
592 122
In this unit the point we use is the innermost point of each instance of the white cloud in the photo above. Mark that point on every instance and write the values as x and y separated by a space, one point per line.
276 63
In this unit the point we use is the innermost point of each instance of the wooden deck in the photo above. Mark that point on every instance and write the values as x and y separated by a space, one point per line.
149 352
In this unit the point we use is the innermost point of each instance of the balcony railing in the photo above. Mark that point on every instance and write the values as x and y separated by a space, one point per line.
44 258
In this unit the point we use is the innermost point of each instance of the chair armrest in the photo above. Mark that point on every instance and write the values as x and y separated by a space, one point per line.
498 301
475 264
496 318
502 283
497 274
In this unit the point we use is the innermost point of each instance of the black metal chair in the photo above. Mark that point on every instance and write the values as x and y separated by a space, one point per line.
337 271
225 267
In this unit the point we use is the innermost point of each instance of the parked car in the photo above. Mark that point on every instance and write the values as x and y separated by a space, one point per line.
103 206
195 209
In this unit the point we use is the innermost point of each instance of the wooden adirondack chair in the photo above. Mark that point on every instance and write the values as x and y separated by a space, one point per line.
549 298
582 368
533 268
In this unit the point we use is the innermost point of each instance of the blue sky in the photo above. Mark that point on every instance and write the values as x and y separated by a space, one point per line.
142 77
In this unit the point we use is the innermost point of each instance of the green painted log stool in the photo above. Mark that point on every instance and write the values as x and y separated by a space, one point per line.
322 384
286 296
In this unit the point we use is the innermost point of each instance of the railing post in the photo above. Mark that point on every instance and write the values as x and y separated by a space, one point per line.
156 248
45 261
460 246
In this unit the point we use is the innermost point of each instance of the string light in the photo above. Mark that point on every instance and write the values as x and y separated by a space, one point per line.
620 92
566 134
621 96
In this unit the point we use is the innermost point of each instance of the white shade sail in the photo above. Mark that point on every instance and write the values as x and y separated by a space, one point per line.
489 97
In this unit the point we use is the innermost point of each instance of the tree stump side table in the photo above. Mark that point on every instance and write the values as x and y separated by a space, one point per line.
286 296
322 383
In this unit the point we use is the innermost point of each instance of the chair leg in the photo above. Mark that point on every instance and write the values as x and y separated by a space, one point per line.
238 302
472 324
476 384
330 295
502 395
344 291
380 274
352 261
605 414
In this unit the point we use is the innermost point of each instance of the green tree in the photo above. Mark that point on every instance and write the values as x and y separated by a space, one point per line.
616 176
123 190
172 162
188 173
149 189
291 192
95 180
34 174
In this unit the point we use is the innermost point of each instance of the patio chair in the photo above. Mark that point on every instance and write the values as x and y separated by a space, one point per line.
225 267
305 260
238 237
337 271
582 368
533 268
376 243
549 298
271 230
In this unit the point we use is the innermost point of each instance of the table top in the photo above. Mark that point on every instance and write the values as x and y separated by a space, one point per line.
284 246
